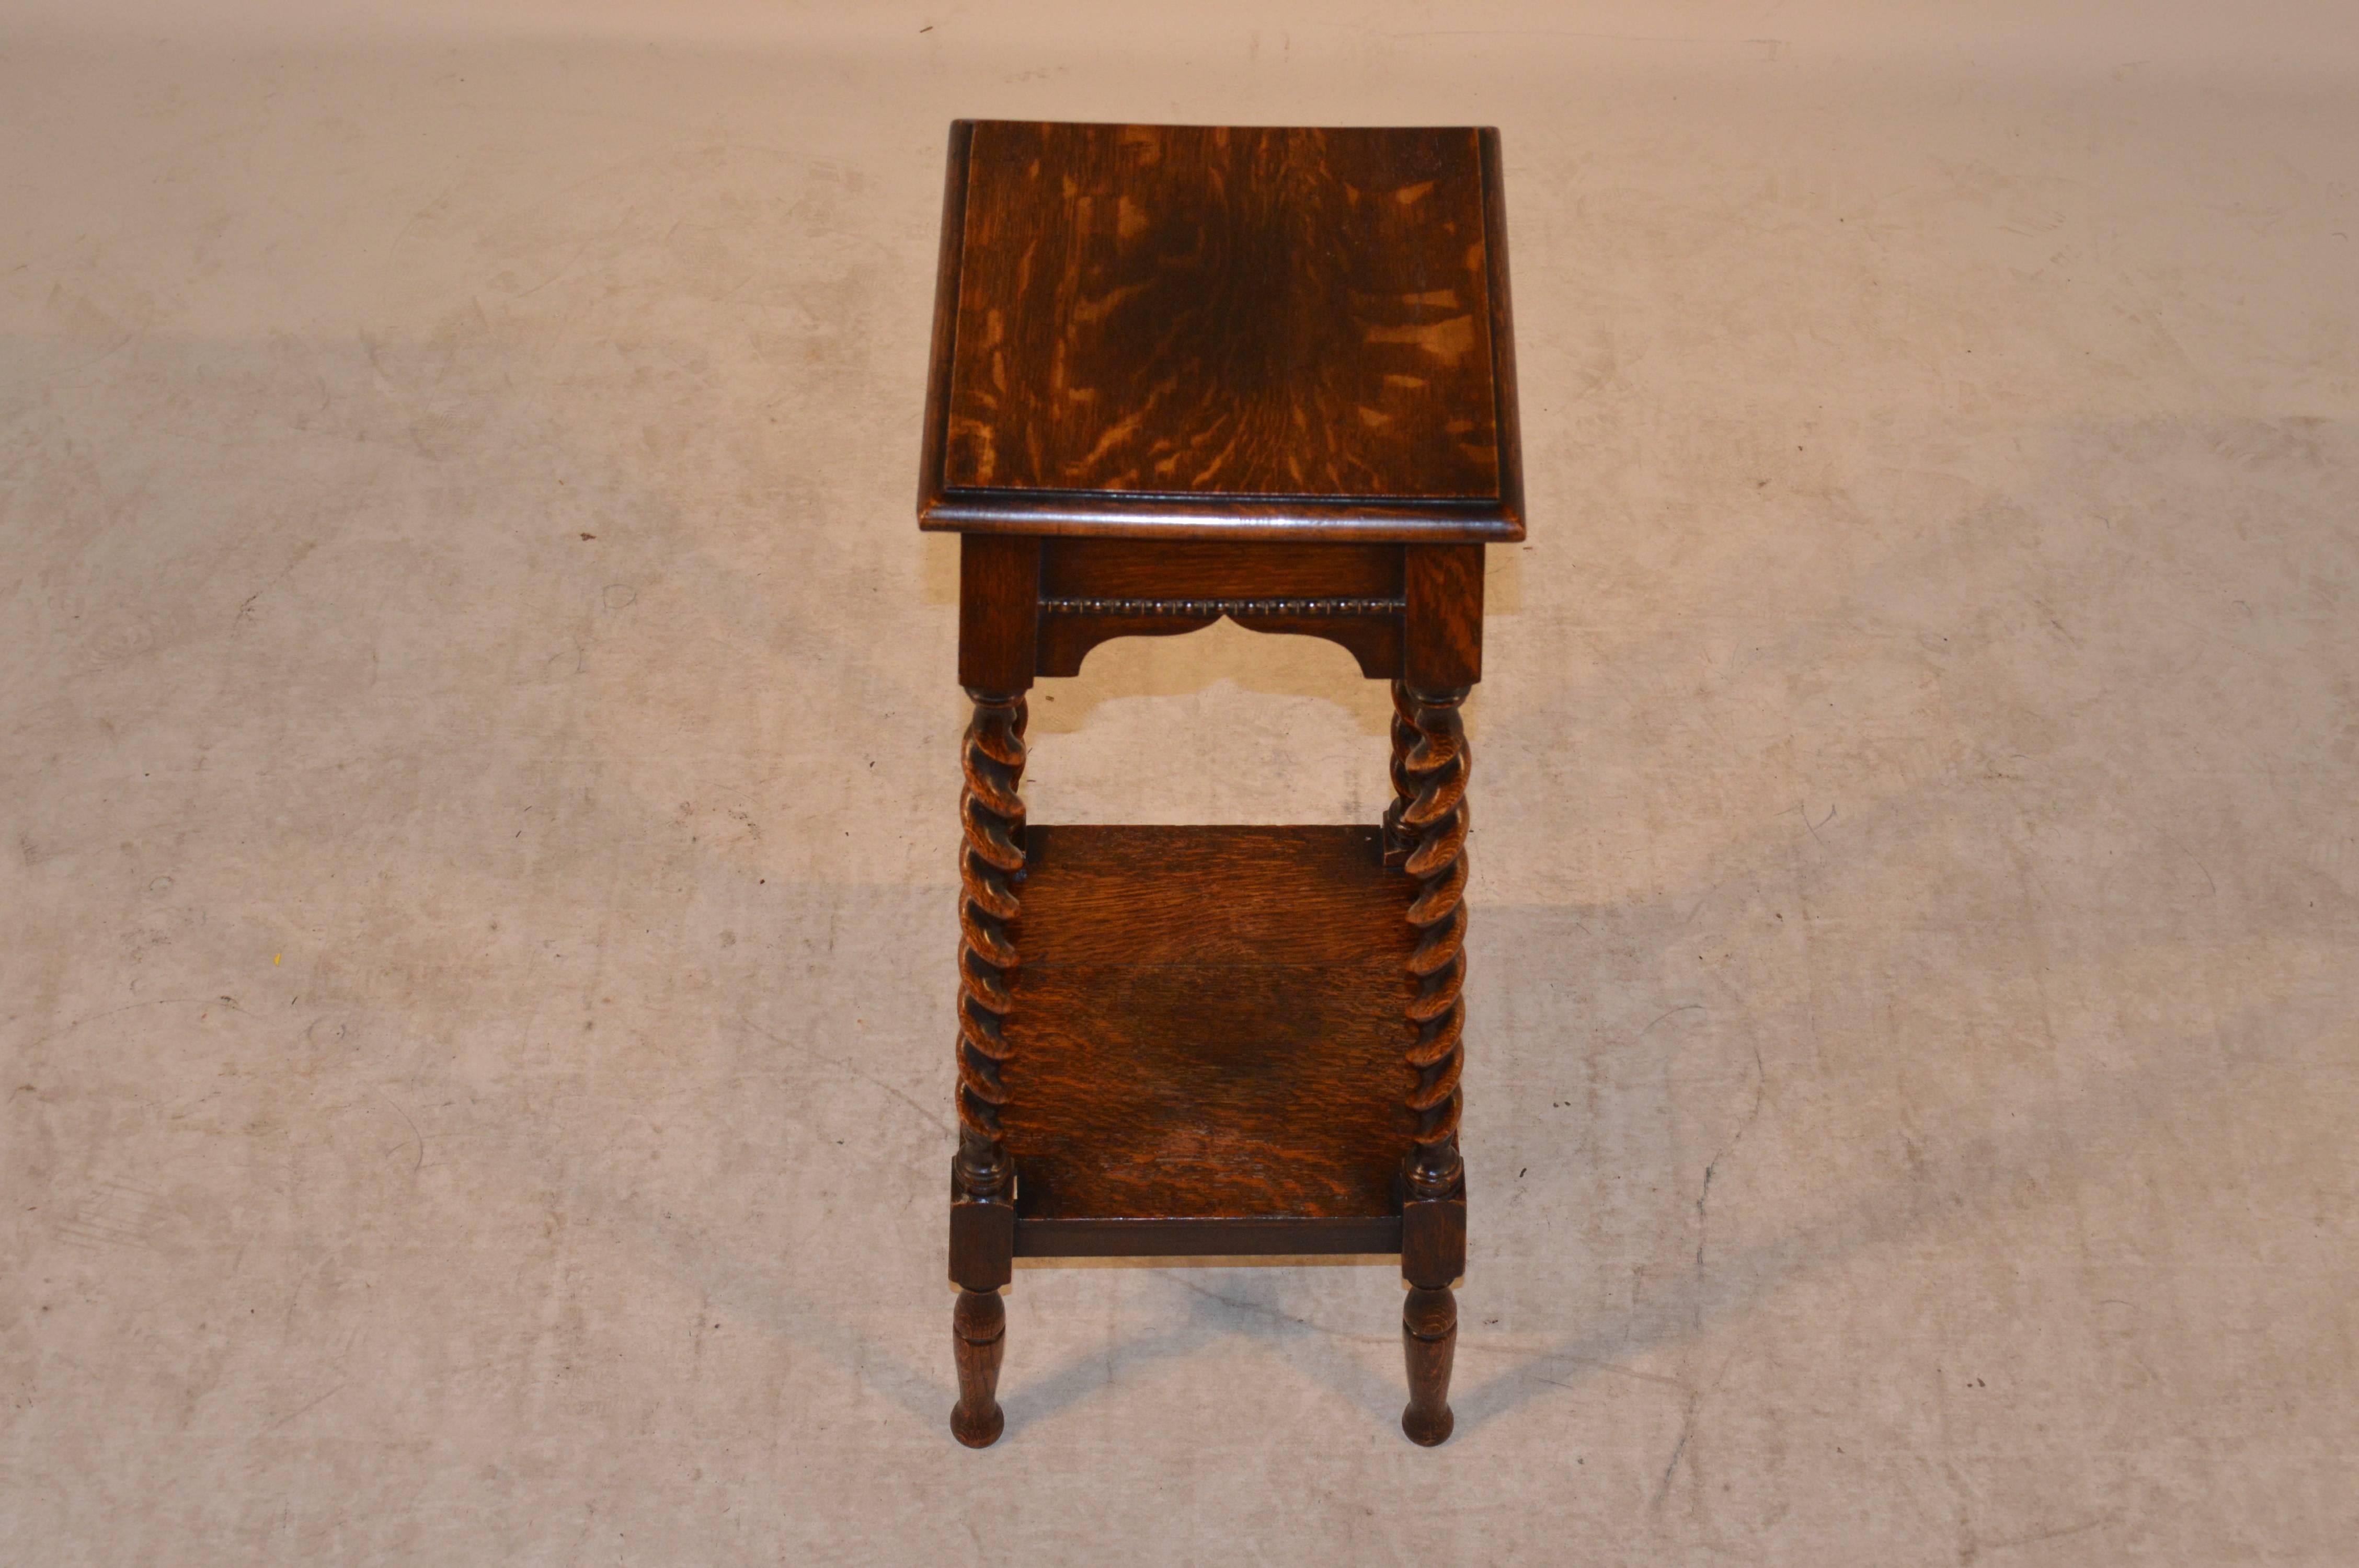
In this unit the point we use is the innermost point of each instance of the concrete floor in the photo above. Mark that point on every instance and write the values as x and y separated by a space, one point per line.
476 920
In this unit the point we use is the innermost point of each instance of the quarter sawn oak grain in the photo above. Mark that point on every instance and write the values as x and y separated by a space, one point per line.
1210 1024
1245 332
1203 310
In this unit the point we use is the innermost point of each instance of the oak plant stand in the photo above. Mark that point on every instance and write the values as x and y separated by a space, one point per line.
1180 373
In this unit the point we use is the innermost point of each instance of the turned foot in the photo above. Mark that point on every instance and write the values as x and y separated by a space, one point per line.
979 1333
1429 1337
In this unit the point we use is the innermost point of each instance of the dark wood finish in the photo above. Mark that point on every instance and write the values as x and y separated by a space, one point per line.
1208 1034
1197 310
1041 513
1217 568
1434 1240
1404 737
1372 640
990 862
1181 375
979 1339
1208 896
1095 589
1259 332
999 612
1434 825
1506 419
1430 1344
1426 828
1443 586
1232 1236
982 1238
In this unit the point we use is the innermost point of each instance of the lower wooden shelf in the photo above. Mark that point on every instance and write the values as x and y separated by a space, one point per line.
1209 1032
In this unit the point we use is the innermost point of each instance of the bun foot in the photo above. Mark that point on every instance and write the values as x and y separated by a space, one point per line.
982 1431
1427 1430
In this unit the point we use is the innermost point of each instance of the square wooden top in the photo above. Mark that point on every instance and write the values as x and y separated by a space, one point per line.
1183 331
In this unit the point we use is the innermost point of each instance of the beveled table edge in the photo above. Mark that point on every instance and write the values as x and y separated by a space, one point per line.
1130 516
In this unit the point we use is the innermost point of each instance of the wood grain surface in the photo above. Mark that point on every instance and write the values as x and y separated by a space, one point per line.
1444 616
1114 569
1225 311
1372 640
999 612
1210 1025
979 1341
1129 569
1430 1344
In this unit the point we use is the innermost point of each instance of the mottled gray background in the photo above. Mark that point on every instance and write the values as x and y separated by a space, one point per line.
475 914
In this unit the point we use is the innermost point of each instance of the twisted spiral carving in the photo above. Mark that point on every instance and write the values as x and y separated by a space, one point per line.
1403 791
990 858
1431 773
